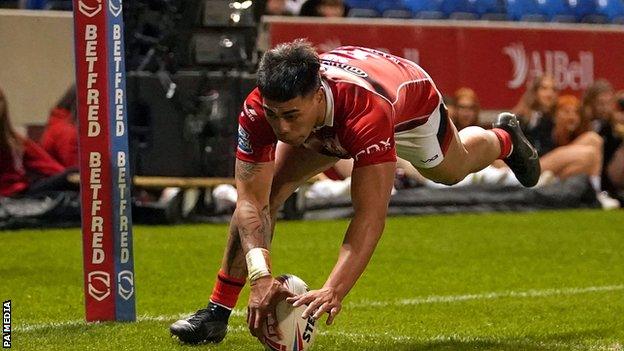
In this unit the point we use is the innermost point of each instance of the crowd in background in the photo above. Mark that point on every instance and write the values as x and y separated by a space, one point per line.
573 137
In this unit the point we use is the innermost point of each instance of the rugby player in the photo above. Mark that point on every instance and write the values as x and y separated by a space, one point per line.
309 111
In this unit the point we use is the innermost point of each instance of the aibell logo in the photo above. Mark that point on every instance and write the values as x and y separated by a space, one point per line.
568 73
115 7
125 284
94 7
99 285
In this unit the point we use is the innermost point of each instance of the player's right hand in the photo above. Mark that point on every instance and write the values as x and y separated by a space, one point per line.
266 292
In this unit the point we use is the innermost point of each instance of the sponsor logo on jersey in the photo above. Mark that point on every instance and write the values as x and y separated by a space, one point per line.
249 112
244 145
351 69
382 145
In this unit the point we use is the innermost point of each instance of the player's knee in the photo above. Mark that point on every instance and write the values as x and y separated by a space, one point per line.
449 179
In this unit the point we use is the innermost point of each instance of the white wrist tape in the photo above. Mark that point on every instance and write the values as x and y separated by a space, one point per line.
258 263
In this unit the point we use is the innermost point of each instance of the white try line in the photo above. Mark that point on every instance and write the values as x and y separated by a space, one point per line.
365 304
485 296
358 337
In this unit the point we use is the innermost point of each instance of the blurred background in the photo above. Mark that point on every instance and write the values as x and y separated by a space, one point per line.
190 64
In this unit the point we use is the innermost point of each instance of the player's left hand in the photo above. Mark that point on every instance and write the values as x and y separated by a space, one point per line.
319 302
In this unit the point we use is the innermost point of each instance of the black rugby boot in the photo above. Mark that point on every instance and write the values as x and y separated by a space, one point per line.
523 160
206 325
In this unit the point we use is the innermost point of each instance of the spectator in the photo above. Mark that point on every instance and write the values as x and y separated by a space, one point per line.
60 139
599 109
535 112
576 149
25 168
276 8
323 8
615 170
467 109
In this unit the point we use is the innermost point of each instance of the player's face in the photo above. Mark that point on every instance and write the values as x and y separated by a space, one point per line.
293 120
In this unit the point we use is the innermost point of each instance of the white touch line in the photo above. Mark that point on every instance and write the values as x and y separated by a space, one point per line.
362 304
485 296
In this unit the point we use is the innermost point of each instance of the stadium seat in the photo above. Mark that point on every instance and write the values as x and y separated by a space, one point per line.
494 17
458 8
595 18
425 9
35 4
556 10
613 10
491 10
397 13
385 5
463 16
586 11
363 13
360 4
524 10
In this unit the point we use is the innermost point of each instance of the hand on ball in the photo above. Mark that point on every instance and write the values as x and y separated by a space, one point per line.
266 292
319 302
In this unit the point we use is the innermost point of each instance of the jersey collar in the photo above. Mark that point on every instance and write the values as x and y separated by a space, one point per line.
329 107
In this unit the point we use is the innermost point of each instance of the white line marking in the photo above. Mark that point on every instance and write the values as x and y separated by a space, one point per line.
362 304
485 296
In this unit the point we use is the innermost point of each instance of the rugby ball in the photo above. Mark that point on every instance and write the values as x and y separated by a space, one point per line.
297 333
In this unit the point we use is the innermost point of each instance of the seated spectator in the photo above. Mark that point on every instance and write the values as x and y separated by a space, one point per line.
60 138
467 109
276 8
535 112
576 149
279 7
599 108
25 168
615 170
323 8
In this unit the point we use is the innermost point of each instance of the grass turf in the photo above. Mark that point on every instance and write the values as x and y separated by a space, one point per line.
538 281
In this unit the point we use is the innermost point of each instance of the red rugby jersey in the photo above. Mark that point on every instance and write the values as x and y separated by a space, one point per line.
370 96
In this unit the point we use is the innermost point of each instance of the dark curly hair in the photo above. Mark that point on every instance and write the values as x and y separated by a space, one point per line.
289 70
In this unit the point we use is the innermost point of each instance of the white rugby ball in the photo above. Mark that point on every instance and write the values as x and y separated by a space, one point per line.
297 333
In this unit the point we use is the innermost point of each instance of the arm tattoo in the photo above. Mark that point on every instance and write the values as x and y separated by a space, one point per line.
235 263
254 226
246 170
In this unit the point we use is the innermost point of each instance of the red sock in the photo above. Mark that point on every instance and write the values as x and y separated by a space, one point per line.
226 290
505 142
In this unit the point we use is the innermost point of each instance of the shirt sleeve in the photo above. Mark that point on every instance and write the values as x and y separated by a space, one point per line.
256 141
369 135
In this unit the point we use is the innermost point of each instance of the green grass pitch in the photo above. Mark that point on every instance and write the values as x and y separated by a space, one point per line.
531 281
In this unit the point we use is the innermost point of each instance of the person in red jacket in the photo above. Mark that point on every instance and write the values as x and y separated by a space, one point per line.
25 168
60 139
